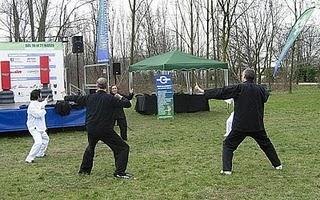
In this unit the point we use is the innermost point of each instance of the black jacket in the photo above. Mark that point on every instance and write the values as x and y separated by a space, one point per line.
119 112
249 99
100 108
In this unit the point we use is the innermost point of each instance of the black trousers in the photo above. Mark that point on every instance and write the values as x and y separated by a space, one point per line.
234 139
122 123
112 139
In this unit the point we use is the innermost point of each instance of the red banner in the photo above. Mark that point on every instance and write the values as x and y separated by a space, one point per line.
5 75
44 69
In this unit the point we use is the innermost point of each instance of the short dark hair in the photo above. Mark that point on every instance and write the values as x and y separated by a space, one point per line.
35 94
249 74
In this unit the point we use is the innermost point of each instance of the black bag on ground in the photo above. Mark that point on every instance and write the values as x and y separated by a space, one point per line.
62 108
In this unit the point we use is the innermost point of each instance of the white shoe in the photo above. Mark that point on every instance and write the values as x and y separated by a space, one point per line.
123 176
225 172
278 167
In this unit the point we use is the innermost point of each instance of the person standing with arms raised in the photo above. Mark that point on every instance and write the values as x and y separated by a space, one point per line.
249 99
36 123
99 123
119 115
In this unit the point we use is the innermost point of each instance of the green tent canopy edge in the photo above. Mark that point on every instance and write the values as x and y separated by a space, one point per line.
176 60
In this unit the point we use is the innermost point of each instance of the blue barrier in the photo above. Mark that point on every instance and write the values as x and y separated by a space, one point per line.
15 119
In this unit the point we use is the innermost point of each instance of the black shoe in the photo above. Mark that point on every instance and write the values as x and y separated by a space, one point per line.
84 173
123 175
44 155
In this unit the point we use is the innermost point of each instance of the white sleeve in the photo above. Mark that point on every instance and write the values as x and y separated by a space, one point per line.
43 103
36 111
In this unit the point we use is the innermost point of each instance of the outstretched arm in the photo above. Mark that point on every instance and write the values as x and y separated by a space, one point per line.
223 93
120 101
219 93
130 96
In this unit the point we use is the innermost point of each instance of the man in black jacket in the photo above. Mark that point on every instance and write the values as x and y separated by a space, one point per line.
119 115
99 122
249 99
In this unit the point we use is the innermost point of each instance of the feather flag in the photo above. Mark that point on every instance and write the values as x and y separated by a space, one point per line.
294 33
102 48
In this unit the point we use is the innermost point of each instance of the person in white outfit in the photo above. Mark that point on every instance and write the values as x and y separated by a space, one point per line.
229 120
36 124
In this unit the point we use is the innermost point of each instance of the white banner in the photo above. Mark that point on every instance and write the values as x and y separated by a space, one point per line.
25 67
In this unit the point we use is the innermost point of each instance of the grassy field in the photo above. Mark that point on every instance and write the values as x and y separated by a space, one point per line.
177 159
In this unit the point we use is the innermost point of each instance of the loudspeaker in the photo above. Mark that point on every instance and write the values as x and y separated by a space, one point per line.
90 91
77 44
116 68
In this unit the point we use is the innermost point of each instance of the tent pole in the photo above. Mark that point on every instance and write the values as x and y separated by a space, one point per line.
188 81
130 80
108 76
226 76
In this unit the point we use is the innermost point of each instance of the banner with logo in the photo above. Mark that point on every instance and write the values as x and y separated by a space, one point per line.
164 95
24 58
294 33
102 51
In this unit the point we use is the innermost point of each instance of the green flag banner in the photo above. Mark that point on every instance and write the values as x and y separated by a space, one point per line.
294 33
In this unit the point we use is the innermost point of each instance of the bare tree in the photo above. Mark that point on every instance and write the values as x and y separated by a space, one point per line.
6 22
16 21
31 16
42 8
187 32
133 9
230 17
135 6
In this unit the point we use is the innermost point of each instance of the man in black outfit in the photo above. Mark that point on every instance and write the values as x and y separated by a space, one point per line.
99 123
249 99
119 115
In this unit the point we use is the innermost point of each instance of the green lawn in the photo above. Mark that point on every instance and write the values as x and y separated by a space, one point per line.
177 159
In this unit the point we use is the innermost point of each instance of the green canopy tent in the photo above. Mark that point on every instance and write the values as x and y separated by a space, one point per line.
176 60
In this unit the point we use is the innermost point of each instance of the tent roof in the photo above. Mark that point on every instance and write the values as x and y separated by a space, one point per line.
176 60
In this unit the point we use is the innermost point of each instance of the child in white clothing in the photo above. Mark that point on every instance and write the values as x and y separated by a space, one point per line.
37 126
229 120
229 124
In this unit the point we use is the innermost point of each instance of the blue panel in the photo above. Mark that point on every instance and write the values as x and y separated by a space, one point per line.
15 119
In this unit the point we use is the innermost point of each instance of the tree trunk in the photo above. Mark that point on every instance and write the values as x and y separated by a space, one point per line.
31 16
177 28
208 41
191 28
213 31
42 22
16 22
291 69
133 18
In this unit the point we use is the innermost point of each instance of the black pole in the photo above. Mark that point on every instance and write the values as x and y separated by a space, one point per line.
78 79
108 76
115 79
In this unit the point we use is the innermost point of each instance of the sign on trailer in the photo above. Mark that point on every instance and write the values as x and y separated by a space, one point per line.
25 67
